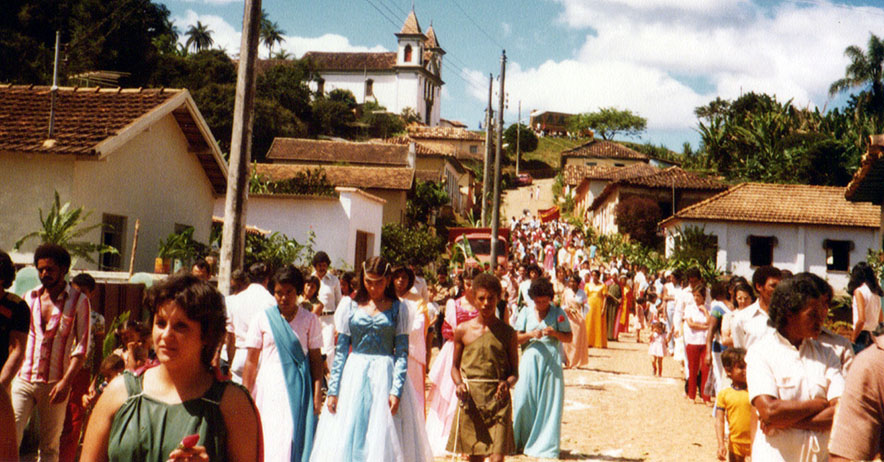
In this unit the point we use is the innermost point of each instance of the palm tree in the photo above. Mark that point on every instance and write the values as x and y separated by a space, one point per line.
199 36
62 225
281 54
865 71
271 34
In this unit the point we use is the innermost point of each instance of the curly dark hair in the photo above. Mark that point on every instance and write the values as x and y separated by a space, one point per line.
790 297
54 252
488 282
541 287
199 300
7 270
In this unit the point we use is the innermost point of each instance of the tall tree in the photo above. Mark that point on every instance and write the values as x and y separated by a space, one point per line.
199 36
865 71
271 34
609 122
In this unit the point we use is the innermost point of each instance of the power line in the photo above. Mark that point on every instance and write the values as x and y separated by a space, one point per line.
481 29
381 13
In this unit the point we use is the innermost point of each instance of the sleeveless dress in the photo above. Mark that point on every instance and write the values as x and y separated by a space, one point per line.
363 428
442 400
539 395
484 425
596 335
145 429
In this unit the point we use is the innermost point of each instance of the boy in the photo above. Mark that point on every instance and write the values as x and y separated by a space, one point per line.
484 370
733 403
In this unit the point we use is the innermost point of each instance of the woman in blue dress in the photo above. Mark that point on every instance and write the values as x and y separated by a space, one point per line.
371 413
539 394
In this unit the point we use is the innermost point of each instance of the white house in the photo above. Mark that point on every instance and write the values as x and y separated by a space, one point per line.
346 226
791 226
410 77
124 155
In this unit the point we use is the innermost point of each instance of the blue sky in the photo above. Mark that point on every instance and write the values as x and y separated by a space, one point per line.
659 58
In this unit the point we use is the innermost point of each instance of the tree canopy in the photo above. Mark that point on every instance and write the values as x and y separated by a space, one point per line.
608 122
527 139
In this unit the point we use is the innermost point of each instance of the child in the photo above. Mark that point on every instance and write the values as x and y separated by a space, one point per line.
484 370
134 344
110 367
733 403
311 295
657 347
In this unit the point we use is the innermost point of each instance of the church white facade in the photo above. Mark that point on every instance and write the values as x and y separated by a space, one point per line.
411 77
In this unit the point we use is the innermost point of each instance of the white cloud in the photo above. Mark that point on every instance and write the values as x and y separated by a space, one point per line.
506 28
635 52
228 38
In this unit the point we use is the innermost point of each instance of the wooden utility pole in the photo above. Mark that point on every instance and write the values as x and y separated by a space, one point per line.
518 137
495 211
134 248
486 180
233 234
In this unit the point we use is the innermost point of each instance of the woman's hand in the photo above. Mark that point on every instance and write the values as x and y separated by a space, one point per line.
709 359
503 389
394 404
196 453
332 404
317 404
462 392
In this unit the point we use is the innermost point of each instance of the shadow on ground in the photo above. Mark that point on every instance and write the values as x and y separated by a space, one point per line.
568 455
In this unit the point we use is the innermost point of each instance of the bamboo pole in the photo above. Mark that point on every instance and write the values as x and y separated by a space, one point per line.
134 248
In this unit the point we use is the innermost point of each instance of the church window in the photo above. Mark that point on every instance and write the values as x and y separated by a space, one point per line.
369 87
407 54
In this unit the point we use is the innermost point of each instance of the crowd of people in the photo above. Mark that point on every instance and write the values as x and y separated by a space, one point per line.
323 367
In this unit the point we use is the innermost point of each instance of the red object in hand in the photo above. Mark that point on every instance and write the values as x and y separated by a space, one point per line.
189 441
561 318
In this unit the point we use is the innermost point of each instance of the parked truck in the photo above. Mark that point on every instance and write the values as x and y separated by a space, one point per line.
479 240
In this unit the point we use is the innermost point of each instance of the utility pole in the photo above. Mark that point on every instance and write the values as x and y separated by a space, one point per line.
233 234
495 211
486 180
518 136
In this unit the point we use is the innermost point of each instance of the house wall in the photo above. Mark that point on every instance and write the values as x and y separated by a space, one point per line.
599 161
458 148
395 90
799 247
28 184
333 220
603 216
394 209
586 192
455 181
153 178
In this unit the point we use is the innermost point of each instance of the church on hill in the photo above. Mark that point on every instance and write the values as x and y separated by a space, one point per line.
410 77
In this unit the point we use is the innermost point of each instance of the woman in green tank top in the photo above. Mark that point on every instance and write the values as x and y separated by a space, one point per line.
145 417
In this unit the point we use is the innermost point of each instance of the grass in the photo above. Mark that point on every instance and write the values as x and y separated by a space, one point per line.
549 150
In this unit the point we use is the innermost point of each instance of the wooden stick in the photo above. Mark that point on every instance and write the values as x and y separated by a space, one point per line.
134 247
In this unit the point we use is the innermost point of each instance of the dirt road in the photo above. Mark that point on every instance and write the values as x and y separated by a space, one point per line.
514 201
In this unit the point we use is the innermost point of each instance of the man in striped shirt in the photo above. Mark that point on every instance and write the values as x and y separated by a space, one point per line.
58 338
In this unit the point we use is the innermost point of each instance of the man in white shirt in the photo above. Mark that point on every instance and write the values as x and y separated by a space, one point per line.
750 324
241 309
330 296
420 284
794 381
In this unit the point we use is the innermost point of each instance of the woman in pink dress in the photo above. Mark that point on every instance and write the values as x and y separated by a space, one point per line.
442 399
549 261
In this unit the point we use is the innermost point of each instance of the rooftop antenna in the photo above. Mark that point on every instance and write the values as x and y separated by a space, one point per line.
54 90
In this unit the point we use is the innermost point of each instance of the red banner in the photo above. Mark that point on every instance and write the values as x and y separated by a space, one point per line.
549 214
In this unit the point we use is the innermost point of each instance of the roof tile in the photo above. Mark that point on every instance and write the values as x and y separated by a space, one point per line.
784 203
397 178
329 152
417 131
84 117
352 61
411 26
604 149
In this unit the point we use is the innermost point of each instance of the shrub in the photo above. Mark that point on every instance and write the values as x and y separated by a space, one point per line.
637 217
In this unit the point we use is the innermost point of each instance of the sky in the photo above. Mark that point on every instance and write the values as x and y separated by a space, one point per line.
657 58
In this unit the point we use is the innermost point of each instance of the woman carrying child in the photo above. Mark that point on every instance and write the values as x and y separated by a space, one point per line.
540 394
485 368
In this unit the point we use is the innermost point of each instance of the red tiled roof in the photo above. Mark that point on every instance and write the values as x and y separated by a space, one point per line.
604 149
330 152
783 203
83 117
397 178
866 184
432 41
428 175
352 61
417 131
574 174
646 176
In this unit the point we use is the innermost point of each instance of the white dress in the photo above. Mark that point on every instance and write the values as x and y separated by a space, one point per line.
270 393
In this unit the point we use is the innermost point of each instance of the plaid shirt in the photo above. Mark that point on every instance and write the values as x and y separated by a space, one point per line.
66 334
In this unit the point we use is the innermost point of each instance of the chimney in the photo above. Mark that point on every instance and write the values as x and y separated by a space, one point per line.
412 152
